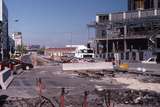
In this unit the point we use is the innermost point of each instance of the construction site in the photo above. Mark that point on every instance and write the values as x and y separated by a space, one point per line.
115 77
133 34
87 84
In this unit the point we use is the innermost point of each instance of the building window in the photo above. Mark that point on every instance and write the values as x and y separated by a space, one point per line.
104 18
158 3
139 4
149 4
127 55
103 33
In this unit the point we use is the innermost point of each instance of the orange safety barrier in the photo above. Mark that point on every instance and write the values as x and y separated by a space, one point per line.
85 104
1 66
40 86
62 97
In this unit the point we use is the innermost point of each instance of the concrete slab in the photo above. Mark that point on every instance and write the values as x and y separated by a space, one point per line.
153 69
88 66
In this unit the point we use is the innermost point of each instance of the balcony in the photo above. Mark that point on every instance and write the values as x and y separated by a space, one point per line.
123 16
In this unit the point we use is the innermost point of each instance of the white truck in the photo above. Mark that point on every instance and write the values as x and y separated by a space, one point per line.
84 52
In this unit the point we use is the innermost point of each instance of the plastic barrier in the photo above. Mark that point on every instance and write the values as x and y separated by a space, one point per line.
6 76
1 66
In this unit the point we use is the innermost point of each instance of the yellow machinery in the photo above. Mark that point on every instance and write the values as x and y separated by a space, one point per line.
123 67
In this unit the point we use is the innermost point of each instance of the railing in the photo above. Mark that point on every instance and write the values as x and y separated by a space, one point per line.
120 36
117 16
147 13
120 16
158 11
131 15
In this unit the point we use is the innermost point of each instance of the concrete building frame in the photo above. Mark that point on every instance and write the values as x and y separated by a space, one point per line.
134 35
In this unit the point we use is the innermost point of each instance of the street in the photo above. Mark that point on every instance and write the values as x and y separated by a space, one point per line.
53 79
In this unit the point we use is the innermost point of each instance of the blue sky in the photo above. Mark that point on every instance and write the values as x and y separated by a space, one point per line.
49 22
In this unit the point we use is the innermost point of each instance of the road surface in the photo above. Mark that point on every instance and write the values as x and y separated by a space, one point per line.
53 79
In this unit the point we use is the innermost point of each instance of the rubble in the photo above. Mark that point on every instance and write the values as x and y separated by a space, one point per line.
103 90
95 98
138 85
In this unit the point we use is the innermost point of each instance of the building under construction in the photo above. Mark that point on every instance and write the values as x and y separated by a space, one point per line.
133 35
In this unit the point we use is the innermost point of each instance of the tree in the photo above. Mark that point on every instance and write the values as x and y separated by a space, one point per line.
21 49
41 51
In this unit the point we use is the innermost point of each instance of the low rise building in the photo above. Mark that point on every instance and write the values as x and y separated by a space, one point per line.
33 48
56 53
17 37
4 37
11 45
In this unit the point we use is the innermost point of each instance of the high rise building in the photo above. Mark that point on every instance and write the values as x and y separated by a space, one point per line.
143 4
4 37
133 35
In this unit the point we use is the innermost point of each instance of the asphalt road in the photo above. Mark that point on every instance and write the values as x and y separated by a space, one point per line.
53 78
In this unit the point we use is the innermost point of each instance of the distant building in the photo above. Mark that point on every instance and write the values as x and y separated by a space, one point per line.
34 48
143 4
17 37
4 54
56 53
12 45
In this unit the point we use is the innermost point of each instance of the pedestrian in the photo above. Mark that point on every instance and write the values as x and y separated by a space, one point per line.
114 66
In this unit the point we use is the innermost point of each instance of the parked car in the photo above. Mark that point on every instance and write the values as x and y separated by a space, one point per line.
26 66
14 61
151 60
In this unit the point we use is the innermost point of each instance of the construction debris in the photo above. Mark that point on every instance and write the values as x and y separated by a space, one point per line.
105 98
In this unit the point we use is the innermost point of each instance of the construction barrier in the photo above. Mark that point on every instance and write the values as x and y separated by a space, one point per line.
6 76
85 104
62 97
88 66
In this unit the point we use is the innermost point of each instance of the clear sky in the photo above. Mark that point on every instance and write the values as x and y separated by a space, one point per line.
48 22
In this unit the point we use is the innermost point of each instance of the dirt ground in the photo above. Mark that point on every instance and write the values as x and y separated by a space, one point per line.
103 89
